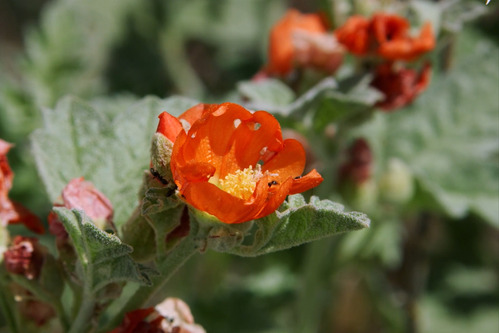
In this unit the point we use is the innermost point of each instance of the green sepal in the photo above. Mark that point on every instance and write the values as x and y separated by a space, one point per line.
212 234
298 222
103 258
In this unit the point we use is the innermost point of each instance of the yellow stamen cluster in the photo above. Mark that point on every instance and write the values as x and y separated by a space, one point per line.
241 183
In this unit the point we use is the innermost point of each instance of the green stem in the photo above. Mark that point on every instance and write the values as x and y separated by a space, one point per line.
7 312
309 303
145 295
85 314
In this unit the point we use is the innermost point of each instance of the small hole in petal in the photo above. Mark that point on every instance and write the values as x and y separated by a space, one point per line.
193 135
257 126
237 122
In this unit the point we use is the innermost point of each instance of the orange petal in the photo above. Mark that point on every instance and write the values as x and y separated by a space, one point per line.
227 208
256 137
305 183
194 113
222 125
169 126
197 171
288 163
276 197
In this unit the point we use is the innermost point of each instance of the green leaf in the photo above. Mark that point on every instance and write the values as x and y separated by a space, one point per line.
78 140
448 138
267 94
299 222
353 102
103 257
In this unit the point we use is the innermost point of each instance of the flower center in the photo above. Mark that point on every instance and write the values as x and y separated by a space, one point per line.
241 183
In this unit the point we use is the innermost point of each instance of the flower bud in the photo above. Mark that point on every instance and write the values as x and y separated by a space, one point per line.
161 153
396 184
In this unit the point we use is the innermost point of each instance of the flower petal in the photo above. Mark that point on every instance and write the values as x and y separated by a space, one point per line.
305 183
288 163
169 126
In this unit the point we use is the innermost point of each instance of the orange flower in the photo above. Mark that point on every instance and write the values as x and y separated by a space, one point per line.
400 86
385 35
13 212
234 164
354 35
282 50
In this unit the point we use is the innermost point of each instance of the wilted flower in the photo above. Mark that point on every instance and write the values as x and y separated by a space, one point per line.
171 316
301 39
386 36
82 195
233 158
399 85
24 257
12 212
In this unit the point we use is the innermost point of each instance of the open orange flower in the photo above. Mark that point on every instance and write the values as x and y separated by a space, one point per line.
13 212
283 47
385 35
234 164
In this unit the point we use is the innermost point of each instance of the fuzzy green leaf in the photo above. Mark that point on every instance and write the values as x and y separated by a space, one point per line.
299 222
78 140
103 257
267 94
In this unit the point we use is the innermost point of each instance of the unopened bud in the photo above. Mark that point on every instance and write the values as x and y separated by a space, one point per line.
161 153
396 184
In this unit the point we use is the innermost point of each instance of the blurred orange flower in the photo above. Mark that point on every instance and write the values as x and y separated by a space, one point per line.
385 35
302 39
13 212
399 85
234 164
